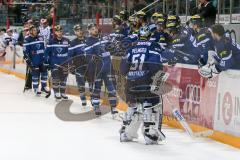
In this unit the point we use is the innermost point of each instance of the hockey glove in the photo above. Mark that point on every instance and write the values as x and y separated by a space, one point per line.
27 60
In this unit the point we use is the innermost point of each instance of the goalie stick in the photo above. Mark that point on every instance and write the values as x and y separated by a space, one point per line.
159 81
185 125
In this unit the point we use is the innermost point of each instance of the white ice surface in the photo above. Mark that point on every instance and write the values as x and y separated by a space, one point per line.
29 130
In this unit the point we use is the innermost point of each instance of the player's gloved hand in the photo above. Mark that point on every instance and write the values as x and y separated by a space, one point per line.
27 60
172 62
205 71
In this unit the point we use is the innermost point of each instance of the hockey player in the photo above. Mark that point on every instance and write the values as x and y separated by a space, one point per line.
119 30
124 15
159 35
174 19
155 17
141 62
181 42
203 38
22 37
133 25
2 44
141 19
34 56
136 23
96 49
185 30
8 39
76 52
224 55
56 54
8 36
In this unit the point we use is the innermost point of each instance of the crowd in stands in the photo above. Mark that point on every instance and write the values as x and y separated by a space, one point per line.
21 10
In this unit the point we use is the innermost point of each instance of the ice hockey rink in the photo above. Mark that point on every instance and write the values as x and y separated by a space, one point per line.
31 131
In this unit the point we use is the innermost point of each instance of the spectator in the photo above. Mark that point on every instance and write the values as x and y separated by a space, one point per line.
74 9
206 10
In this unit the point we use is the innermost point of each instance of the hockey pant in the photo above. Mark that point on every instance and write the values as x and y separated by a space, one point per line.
37 73
109 81
59 80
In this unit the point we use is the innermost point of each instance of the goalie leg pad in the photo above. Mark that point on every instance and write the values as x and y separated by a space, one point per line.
131 123
151 119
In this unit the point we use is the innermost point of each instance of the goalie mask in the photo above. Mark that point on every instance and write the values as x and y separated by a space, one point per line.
144 33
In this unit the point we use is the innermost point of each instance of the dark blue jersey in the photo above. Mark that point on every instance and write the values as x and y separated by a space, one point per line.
96 47
144 59
131 38
235 47
227 54
183 43
204 42
57 51
188 32
160 38
125 29
33 49
77 47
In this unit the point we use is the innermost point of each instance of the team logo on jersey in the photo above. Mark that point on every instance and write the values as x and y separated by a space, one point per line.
201 36
176 41
65 42
59 50
38 46
162 39
223 54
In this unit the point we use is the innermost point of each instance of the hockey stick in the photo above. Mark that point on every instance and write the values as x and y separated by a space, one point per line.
26 85
146 7
184 123
159 81
26 77
49 83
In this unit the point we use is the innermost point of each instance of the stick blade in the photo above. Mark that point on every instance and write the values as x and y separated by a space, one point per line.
206 133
